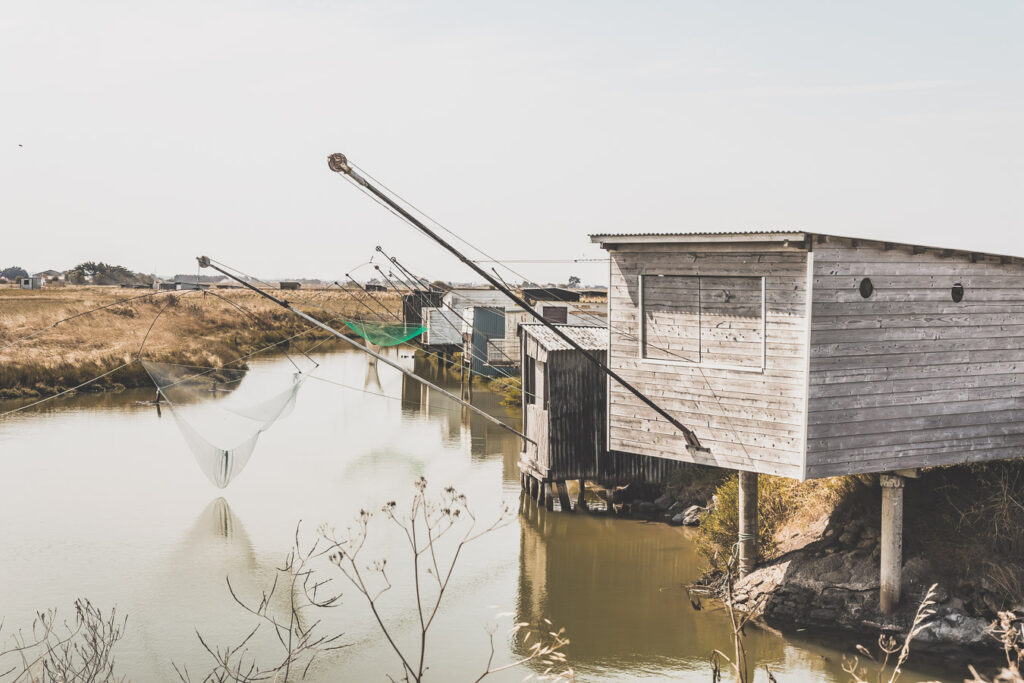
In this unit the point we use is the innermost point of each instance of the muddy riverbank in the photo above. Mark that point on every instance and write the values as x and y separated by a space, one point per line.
963 535
52 340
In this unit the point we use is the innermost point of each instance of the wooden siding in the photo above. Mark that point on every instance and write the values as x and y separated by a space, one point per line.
568 423
908 377
444 327
750 419
488 323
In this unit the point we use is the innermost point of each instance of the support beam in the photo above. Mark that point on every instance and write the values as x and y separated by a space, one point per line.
748 523
892 542
581 497
549 495
563 496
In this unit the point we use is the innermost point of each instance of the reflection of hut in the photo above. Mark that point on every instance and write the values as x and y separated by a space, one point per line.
564 412
615 586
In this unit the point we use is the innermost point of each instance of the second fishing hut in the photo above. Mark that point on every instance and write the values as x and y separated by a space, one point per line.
564 398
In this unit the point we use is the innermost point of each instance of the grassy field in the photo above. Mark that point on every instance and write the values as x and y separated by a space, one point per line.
196 328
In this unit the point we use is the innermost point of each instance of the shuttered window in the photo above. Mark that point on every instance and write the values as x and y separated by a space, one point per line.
708 320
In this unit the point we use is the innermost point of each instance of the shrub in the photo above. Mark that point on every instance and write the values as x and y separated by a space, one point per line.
780 501
510 388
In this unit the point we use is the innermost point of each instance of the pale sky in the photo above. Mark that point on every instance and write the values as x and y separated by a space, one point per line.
150 133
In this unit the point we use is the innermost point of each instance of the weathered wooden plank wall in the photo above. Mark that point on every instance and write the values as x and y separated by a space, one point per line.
751 419
488 323
576 429
568 422
908 377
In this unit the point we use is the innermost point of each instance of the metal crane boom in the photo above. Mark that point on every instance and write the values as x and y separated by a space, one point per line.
207 262
339 164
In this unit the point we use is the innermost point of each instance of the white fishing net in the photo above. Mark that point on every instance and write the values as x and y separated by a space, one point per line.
221 412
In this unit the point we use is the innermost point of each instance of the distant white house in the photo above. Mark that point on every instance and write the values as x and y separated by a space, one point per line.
32 282
48 275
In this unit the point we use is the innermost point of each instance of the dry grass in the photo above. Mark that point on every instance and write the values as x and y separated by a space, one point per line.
199 328
783 505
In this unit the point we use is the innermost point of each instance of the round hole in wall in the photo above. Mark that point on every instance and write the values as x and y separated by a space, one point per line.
957 292
866 288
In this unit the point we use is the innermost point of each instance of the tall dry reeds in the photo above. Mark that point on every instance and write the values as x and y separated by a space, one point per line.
195 328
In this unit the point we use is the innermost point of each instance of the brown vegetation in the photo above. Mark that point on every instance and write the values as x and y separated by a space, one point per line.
785 506
212 327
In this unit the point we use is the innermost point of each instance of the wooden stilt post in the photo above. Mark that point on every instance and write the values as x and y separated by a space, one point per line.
892 542
549 495
609 496
581 497
748 523
563 496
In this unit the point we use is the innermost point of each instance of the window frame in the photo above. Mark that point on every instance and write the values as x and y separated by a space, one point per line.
642 322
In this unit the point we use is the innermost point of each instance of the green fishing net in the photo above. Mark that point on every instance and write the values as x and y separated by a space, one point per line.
385 334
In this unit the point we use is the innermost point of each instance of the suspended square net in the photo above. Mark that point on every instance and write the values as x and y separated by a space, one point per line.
221 412
385 334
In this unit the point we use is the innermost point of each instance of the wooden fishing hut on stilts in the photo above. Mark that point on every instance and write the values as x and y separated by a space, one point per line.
446 323
808 355
564 413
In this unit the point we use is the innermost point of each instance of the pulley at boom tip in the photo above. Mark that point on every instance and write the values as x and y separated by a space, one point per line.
338 163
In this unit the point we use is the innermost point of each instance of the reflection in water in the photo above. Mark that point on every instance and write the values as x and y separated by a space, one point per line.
615 585
372 381
459 424
598 580
191 581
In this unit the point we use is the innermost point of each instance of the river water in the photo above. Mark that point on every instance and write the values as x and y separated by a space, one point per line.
102 499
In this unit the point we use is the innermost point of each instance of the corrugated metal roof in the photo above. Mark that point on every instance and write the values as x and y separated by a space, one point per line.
695 232
590 337
733 236
725 236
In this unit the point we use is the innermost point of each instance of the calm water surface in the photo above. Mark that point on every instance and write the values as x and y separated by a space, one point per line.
102 499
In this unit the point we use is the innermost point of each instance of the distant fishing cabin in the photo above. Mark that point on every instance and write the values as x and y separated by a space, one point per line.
445 323
564 413
808 355
415 301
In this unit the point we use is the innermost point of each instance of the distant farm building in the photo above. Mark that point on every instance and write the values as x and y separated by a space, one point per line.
190 285
290 284
374 287
535 294
32 282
